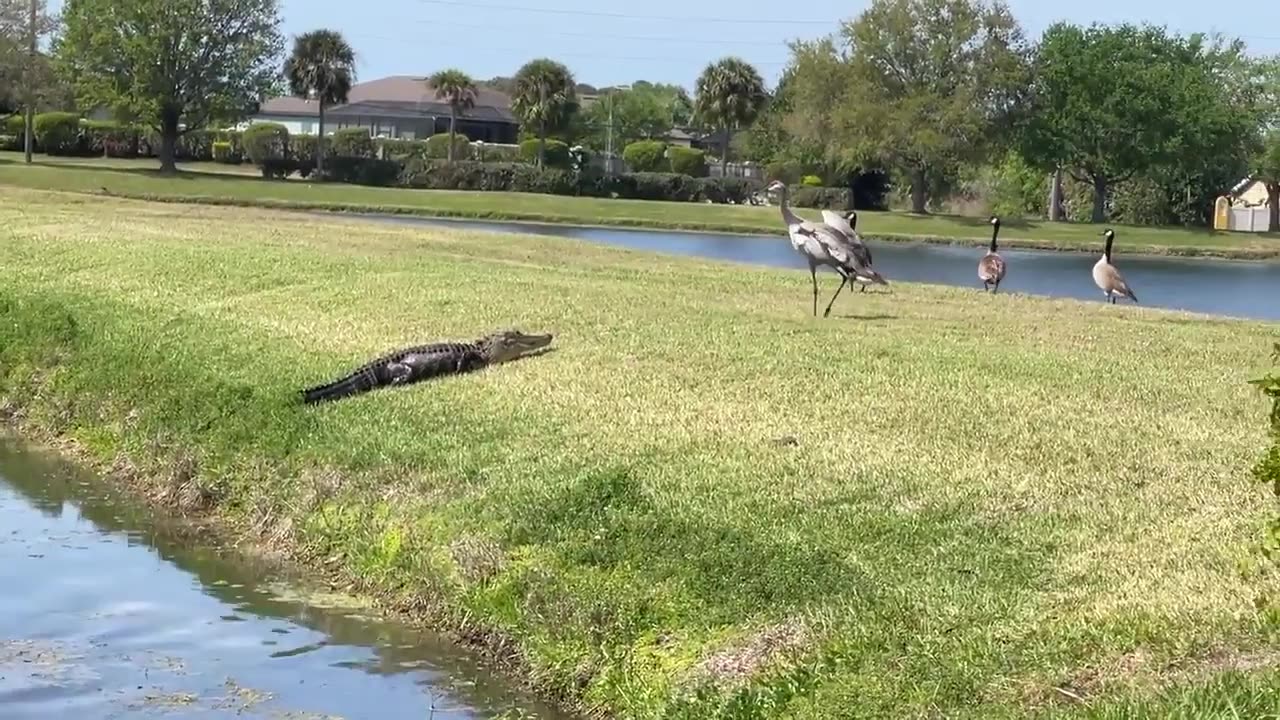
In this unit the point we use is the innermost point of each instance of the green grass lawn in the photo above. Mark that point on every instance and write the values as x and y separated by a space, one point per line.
139 180
705 502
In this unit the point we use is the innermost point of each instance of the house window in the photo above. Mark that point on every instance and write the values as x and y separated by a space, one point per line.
307 127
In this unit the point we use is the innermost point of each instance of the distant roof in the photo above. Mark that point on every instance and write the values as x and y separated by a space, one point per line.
396 96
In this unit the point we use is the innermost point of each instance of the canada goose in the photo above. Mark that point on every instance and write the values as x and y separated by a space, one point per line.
1107 277
821 244
991 267
847 224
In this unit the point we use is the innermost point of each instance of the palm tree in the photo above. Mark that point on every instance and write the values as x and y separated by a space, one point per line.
545 96
322 66
729 95
459 90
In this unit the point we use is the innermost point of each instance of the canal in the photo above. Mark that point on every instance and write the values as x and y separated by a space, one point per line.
1230 288
107 614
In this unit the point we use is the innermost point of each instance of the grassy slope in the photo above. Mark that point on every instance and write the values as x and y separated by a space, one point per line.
139 181
989 496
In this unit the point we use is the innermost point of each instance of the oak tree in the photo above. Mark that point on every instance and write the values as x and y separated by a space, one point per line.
177 65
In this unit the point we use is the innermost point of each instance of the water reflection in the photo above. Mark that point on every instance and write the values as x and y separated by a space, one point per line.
1204 285
119 615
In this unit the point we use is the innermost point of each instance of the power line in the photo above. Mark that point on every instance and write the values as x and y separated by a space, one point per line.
628 16
604 36
541 51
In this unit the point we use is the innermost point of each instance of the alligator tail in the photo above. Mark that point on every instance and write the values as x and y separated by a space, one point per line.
360 381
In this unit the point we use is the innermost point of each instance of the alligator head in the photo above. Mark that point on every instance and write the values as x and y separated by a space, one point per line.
507 345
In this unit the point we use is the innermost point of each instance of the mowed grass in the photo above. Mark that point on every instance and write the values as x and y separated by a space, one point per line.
704 502
138 179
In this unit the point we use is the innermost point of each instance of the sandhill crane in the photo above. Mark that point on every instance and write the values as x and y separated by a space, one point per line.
991 268
1107 277
820 244
847 224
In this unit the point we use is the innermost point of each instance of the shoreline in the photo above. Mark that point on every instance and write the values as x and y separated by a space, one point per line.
359 209
213 526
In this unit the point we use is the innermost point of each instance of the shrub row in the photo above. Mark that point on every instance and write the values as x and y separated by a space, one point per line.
519 177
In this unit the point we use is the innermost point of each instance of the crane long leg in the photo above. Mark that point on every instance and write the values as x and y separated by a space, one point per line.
843 281
813 275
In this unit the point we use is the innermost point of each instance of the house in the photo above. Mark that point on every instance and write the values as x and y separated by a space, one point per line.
1249 192
400 106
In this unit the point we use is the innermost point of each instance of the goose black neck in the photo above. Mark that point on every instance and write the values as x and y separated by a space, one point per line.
995 230
1107 252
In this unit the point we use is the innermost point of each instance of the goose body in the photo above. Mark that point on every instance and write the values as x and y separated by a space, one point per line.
1107 277
992 267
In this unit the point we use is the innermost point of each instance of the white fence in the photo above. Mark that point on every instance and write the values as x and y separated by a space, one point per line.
1249 219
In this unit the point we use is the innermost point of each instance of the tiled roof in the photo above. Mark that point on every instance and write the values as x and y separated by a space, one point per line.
396 96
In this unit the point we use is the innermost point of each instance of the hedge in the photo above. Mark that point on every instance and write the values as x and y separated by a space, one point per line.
351 142
688 161
646 156
266 141
59 133
557 153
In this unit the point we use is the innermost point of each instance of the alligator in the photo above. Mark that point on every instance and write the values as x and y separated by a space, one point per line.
421 362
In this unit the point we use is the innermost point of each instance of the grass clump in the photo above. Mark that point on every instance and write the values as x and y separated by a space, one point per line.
988 505
211 183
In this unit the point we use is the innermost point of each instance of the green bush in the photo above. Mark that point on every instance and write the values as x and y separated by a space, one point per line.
688 161
435 174
498 153
401 149
224 153
59 133
304 147
811 181
829 198
353 142
501 177
557 153
646 156
788 171
1267 472
361 171
266 141
10 142
195 146
15 124
437 147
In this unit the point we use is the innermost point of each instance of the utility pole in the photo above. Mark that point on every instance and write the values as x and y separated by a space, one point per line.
31 82
609 136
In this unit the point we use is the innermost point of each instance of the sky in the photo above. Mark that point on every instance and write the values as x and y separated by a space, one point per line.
607 43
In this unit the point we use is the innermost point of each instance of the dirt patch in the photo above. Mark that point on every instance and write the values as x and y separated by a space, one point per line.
478 559
740 662
1140 669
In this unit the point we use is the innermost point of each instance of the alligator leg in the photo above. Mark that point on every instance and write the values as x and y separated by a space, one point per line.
400 372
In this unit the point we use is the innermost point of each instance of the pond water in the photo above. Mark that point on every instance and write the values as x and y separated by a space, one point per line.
105 614
1218 287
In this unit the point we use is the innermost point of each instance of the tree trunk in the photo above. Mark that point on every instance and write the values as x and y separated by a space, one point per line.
1273 199
453 120
919 192
542 141
724 154
168 141
1099 198
320 144
1055 196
